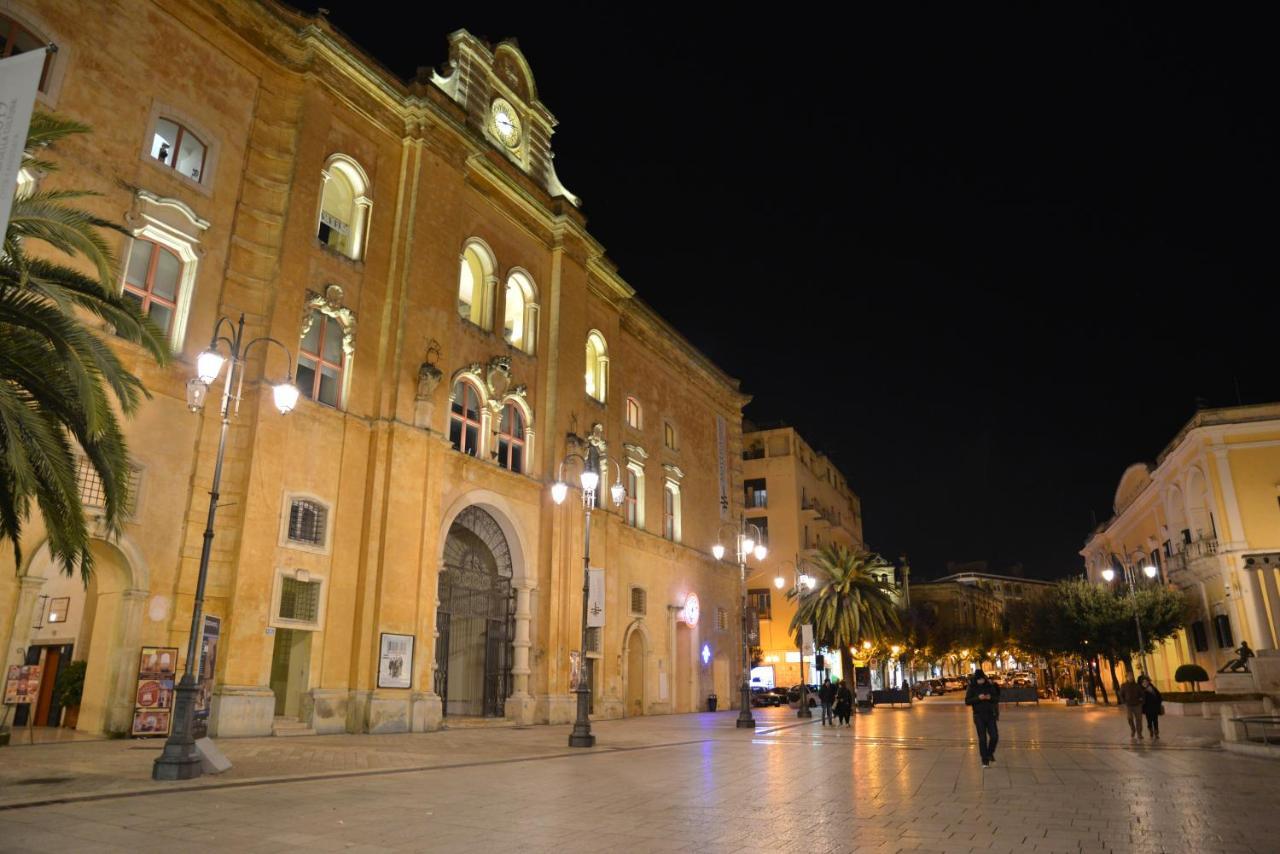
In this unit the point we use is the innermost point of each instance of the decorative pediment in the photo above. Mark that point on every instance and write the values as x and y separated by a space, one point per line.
330 303
1135 479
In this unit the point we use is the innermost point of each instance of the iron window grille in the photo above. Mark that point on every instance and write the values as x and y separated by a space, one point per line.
594 642
93 494
639 601
722 619
299 600
308 522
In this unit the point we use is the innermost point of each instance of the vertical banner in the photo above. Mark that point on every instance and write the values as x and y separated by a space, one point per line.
806 639
204 676
753 628
722 461
595 598
19 80
575 670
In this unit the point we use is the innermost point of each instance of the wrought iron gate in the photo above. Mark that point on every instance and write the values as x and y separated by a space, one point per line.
475 583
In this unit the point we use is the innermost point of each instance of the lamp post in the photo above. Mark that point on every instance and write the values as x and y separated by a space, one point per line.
590 478
808 582
180 759
1131 583
745 543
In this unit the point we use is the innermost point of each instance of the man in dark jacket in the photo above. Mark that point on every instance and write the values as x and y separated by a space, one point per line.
827 696
983 697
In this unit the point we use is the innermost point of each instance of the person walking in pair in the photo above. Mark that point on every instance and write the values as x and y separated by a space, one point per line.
983 697
1152 705
1131 697
827 696
844 703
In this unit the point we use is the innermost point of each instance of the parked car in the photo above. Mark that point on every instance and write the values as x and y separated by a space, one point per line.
929 688
955 683
793 696
761 696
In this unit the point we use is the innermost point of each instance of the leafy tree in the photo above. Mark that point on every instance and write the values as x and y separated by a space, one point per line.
60 383
1193 673
848 604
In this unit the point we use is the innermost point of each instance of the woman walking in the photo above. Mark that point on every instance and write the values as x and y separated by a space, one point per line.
844 703
1152 705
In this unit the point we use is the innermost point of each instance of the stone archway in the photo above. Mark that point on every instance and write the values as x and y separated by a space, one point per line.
475 618
635 655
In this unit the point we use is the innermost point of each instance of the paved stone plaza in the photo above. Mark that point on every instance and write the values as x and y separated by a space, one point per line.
899 780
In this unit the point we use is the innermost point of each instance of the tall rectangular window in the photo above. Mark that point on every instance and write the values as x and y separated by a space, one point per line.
1222 628
669 436
761 602
757 494
151 279
633 494
669 513
320 359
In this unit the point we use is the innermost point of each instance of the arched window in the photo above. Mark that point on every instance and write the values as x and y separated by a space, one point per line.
152 280
321 359
177 147
344 207
511 438
464 418
597 378
16 39
476 285
520 314
633 413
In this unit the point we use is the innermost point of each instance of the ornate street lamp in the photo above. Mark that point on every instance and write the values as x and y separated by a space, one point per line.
800 583
590 479
180 759
748 540
1131 583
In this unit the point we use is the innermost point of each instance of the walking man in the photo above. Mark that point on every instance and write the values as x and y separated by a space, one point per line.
983 697
827 696
1131 696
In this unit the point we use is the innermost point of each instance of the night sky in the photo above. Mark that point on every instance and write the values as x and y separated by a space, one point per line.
983 257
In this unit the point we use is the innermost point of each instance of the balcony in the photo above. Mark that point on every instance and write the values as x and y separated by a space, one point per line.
1192 554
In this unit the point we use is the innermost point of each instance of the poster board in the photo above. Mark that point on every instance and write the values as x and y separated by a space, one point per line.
209 637
153 697
395 661
22 684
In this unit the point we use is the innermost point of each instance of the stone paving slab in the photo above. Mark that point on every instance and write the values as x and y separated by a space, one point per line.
899 780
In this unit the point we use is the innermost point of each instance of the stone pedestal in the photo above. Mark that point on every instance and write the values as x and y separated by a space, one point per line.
326 710
241 710
1234 683
1266 671
561 708
380 711
521 709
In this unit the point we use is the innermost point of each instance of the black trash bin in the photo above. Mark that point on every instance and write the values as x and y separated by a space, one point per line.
712 700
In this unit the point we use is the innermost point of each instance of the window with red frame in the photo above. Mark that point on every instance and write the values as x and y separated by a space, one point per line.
16 39
633 413
151 279
320 360
178 148
464 419
511 439
633 492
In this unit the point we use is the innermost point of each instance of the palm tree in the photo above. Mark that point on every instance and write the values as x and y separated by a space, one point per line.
59 380
849 603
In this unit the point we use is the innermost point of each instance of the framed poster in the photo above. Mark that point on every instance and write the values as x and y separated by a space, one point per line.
153 698
395 661
204 681
22 684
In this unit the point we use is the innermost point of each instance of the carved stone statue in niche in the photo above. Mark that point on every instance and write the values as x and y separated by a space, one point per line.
429 377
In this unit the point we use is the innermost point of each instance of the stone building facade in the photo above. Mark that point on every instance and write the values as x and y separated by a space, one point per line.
802 502
456 332
1207 517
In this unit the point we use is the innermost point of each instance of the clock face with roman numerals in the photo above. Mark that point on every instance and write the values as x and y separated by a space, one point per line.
505 123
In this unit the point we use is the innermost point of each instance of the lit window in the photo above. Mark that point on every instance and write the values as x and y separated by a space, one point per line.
597 374
633 413
511 438
344 207
178 148
464 419
520 313
320 359
152 279
635 497
671 512
16 39
669 435
308 522
476 285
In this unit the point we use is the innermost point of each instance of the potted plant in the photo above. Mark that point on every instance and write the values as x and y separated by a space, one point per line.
69 687
1070 694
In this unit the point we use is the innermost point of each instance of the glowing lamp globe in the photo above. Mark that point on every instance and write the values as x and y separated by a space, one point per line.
590 480
1150 571
286 397
760 552
559 490
1108 575
779 582
718 551
619 493
209 365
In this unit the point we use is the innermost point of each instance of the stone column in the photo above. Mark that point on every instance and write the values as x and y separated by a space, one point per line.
1255 610
124 664
520 706
1268 577
28 589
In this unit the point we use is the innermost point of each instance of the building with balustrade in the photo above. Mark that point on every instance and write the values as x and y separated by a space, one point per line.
388 554
1206 514
798 498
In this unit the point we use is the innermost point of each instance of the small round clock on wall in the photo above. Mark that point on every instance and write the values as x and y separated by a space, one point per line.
506 124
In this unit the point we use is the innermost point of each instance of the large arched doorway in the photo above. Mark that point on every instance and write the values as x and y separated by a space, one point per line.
475 620
634 656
